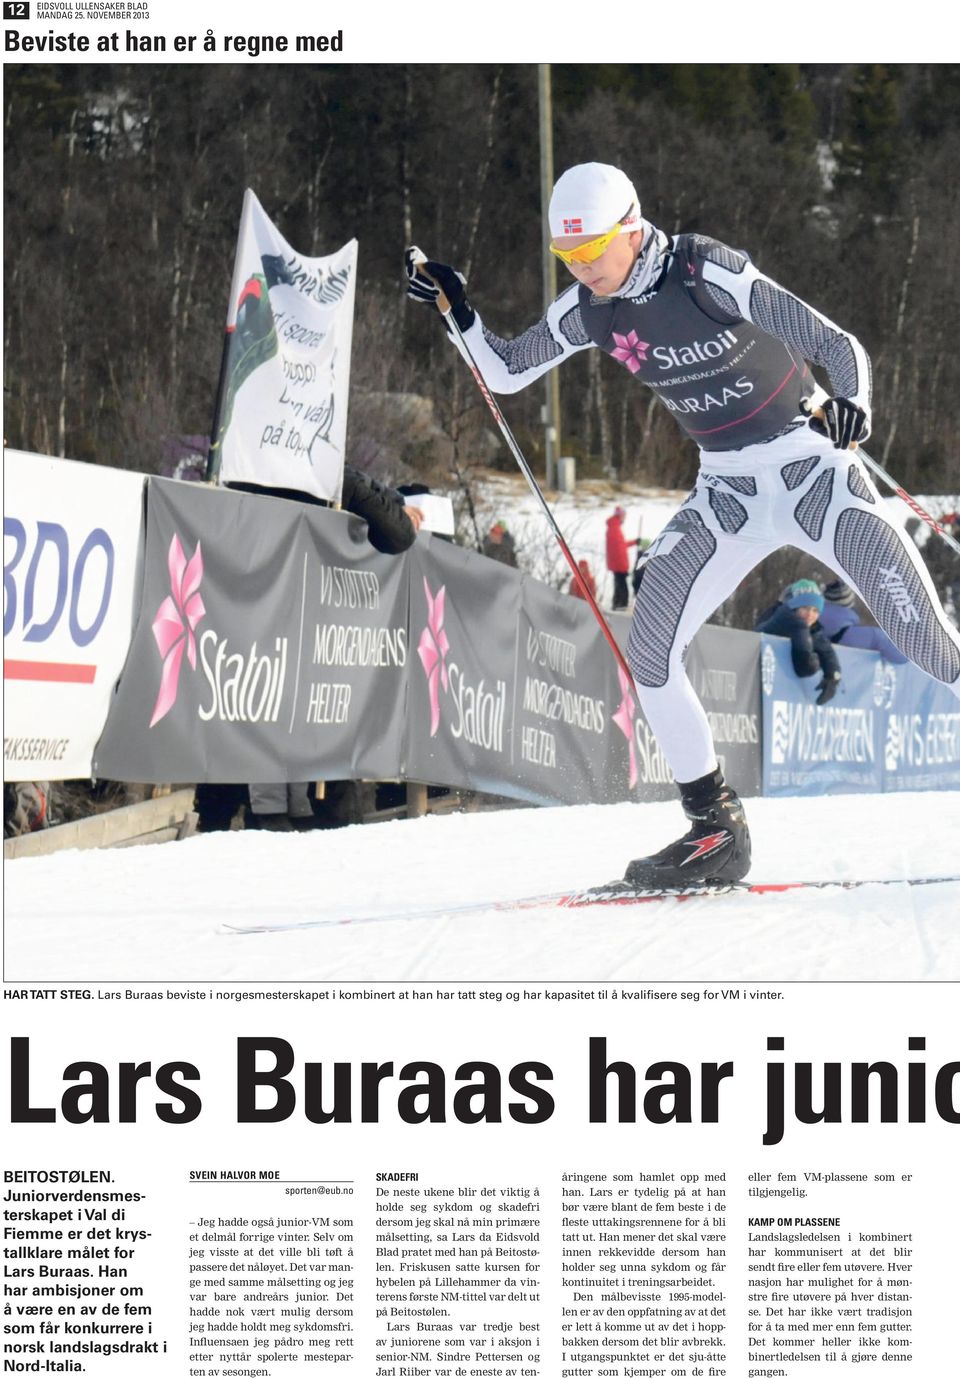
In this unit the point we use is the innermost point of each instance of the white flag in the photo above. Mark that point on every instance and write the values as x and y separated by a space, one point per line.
282 412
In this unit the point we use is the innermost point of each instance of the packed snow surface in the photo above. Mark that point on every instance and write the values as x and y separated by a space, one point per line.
160 913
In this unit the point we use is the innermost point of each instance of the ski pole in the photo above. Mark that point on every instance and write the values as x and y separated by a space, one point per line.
900 491
911 502
443 306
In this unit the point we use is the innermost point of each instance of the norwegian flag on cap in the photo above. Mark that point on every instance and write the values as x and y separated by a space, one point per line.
590 199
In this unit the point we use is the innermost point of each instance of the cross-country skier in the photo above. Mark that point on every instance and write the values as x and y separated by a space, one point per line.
727 352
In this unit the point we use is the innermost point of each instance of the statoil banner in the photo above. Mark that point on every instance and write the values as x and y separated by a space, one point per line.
271 645
71 543
723 667
461 692
512 688
274 643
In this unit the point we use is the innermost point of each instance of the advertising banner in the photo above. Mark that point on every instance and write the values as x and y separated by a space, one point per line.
724 669
516 692
282 413
274 643
833 749
71 539
462 684
921 744
574 718
650 776
270 634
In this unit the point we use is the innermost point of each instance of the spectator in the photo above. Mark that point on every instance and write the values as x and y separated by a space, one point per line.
841 622
498 544
618 561
797 615
220 808
586 574
392 525
280 807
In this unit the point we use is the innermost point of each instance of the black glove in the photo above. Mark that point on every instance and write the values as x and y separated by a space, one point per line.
426 280
828 687
843 421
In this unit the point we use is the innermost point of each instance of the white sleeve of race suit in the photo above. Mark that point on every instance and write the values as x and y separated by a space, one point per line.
778 312
509 365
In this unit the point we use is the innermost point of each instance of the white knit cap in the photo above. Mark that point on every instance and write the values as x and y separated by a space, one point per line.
590 198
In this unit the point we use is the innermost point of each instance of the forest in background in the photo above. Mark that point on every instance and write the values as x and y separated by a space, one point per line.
123 187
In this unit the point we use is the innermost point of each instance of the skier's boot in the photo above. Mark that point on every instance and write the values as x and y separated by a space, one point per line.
715 850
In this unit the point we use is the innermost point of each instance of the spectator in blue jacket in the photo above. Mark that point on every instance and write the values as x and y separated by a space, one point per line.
797 615
841 622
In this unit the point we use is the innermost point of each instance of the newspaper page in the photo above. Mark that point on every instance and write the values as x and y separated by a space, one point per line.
287 1102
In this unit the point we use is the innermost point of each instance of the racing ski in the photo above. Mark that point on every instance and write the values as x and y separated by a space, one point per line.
616 893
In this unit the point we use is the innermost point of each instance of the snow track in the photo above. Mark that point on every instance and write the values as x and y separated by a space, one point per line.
158 913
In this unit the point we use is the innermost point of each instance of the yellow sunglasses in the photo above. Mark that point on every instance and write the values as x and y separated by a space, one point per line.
592 249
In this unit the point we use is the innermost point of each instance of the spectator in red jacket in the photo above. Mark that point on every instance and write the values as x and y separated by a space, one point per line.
618 561
586 574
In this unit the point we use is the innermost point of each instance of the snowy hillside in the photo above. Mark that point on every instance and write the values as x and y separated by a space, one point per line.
581 517
157 913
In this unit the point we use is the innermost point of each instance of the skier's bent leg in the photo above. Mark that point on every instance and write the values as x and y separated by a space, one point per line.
895 584
885 567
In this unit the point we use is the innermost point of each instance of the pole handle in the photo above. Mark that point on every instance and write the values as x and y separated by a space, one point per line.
817 415
443 305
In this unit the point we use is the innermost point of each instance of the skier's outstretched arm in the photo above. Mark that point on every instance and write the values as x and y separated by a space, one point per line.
506 365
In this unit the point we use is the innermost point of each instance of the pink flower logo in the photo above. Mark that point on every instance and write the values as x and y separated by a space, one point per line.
432 649
630 350
624 717
175 623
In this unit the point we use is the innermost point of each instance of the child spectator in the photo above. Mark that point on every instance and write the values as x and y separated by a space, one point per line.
586 575
498 544
797 615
